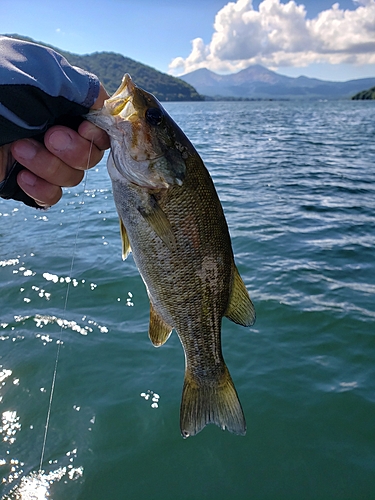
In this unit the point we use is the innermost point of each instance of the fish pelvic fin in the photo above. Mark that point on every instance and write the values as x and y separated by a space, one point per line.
240 309
125 241
158 330
210 402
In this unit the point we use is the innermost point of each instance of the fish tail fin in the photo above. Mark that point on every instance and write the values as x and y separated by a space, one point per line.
210 401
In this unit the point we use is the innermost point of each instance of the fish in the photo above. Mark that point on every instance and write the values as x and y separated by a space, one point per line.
172 220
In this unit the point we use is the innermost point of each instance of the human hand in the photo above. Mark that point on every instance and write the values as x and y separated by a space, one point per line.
60 162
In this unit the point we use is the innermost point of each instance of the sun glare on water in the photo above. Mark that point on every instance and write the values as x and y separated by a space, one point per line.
36 486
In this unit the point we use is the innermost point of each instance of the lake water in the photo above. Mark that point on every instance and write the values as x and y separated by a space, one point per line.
297 182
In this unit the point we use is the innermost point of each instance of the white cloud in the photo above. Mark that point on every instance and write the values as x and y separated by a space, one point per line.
279 34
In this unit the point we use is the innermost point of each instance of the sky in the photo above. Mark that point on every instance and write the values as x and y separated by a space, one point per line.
315 38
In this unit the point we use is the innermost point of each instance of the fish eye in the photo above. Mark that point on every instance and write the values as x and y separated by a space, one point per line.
154 116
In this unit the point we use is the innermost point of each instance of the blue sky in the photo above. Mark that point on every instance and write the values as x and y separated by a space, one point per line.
310 37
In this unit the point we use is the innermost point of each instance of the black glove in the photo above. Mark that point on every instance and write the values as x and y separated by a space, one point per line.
9 189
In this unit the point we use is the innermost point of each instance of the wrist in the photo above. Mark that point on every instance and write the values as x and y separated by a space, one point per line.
101 98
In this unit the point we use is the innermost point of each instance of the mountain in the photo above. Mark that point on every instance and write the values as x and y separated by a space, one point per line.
110 67
365 94
258 82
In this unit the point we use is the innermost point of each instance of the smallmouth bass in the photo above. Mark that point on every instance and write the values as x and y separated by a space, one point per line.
173 222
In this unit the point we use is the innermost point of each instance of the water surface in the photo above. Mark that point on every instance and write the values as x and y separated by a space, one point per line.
297 184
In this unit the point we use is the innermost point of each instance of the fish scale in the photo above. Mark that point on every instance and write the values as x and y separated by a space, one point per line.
172 220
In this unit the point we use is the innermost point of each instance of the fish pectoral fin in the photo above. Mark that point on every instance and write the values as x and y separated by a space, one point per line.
125 241
159 222
240 309
210 402
158 330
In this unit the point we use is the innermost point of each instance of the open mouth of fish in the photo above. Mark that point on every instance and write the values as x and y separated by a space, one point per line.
121 100
126 105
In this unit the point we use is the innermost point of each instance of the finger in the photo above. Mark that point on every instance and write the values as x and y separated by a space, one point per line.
73 149
44 164
44 193
93 133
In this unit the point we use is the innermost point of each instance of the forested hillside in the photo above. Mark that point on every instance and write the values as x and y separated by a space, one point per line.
365 94
110 67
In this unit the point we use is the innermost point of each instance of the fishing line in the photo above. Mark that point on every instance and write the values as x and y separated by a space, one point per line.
46 427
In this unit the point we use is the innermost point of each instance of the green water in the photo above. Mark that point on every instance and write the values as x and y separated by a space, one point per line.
297 184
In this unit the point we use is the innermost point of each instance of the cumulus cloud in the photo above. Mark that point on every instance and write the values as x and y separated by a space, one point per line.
279 34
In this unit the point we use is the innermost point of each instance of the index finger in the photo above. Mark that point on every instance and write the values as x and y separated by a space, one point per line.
71 148
93 133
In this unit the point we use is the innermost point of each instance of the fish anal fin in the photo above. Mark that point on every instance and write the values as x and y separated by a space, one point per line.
159 222
240 309
125 241
158 330
208 402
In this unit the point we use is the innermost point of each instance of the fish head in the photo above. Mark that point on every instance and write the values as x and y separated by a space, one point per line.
148 147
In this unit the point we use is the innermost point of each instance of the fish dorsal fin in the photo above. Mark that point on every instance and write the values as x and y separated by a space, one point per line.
158 330
240 309
125 241
159 222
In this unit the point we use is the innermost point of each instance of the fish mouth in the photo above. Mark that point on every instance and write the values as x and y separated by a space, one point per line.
127 87
125 105
121 100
